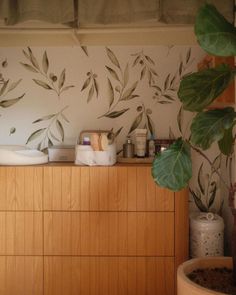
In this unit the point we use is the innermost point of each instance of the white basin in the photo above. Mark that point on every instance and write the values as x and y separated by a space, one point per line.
21 155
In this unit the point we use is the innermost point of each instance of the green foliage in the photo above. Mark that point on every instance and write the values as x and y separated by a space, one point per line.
173 167
200 89
210 126
214 33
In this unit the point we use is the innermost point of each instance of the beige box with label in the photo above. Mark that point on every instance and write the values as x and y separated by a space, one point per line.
61 153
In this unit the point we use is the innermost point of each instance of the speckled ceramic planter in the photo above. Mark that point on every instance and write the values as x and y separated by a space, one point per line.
186 287
206 235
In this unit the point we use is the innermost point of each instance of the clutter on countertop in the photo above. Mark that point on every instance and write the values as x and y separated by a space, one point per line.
96 147
61 153
21 155
128 148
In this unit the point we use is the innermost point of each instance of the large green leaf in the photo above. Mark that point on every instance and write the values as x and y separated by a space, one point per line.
210 126
200 89
172 168
227 142
214 33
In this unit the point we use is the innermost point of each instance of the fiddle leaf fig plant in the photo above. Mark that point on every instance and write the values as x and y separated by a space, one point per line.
172 168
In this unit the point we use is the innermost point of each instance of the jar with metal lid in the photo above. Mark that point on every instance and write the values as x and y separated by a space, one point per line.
206 235
128 148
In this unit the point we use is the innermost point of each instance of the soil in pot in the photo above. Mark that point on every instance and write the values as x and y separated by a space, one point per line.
217 279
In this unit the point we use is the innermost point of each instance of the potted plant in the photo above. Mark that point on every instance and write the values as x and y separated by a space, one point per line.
173 167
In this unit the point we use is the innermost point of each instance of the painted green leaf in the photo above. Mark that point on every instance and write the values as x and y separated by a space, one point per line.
126 75
143 73
201 180
110 92
153 72
112 57
113 73
136 122
200 89
150 124
127 94
226 144
168 97
116 114
180 68
85 50
212 194
217 162
65 118
8 103
188 55
86 83
210 126
45 62
60 129
172 168
4 87
13 85
180 119
214 33
26 54
66 88
96 86
50 143
148 58
53 136
62 79
91 93
137 59
166 84
42 84
198 202
44 118
29 67
33 59
118 132
156 87
35 135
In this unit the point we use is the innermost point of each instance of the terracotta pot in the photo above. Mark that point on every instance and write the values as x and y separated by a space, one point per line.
186 287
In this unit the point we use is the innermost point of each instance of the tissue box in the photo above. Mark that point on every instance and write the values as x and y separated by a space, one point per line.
61 154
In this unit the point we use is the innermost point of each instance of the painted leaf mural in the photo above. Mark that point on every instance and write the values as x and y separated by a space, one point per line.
146 67
119 88
48 80
7 86
91 85
165 91
54 132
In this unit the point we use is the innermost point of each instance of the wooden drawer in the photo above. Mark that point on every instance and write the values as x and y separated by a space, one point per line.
109 275
21 233
21 275
104 189
21 188
109 233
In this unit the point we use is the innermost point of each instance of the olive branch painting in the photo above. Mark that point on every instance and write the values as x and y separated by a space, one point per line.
47 78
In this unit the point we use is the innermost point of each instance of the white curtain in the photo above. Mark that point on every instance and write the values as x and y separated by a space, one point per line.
184 11
117 11
54 11
108 11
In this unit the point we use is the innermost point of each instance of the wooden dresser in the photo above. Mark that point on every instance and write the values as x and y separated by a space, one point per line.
70 230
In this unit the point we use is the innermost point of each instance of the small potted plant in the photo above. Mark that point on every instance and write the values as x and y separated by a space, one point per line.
173 167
